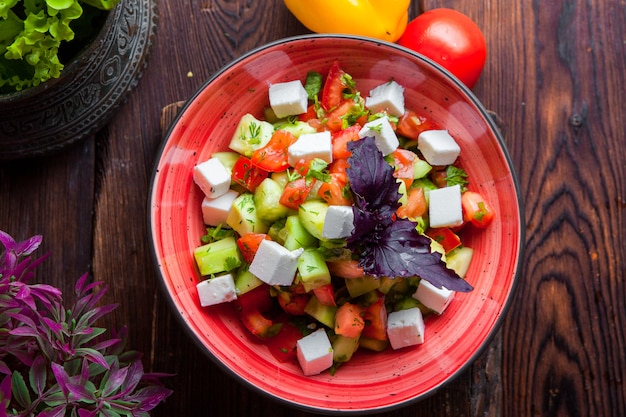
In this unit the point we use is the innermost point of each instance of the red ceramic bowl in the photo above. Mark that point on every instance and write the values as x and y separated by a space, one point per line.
371 382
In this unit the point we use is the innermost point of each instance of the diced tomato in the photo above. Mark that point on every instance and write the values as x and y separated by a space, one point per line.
340 141
476 209
403 161
283 344
415 206
273 156
258 324
334 87
410 125
325 294
246 174
310 114
258 299
296 192
336 192
345 269
293 303
249 244
446 237
375 316
334 119
348 320
339 166
302 166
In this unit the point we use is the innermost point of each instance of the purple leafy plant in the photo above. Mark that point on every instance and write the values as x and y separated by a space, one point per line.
54 362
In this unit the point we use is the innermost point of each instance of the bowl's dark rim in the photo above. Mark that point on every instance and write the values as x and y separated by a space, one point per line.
509 161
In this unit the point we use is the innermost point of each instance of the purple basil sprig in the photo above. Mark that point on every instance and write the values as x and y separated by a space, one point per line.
54 361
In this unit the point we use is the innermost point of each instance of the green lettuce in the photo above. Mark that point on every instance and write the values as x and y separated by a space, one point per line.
31 34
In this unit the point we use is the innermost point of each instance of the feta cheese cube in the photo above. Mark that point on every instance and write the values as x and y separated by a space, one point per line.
212 177
436 299
405 328
215 210
310 146
274 264
444 207
216 290
338 223
288 98
314 352
438 147
384 136
388 97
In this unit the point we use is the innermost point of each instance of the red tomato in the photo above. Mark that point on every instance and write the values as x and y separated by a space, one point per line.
451 39
246 174
335 192
375 316
325 294
249 244
273 156
340 141
295 193
334 87
334 119
345 269
403 161
348 320
446 237
283 344
410 125
476 209
416 205
293 304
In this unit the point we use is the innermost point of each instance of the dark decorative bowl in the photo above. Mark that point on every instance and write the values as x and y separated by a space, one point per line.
44 119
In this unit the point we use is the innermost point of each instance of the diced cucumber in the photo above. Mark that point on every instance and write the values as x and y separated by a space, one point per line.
243 216
403 192
281 178
296 236
409 302
227 159
373 344
343 348
313 270
267 201
323 313
276 231
362 285
459 260
246 281
219 256
387 283
421 168
312 214
250 135
296 128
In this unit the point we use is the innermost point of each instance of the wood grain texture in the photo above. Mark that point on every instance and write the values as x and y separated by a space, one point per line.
554 76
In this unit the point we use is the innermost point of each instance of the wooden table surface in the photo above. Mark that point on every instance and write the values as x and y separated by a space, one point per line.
554 75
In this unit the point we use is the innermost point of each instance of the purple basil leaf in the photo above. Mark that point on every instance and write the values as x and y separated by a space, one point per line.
371 178
404 252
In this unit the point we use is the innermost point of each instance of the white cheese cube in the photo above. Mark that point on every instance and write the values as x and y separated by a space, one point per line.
212 177
314 352
388 97
274 264
444 207
383 133
310 146
405 328
215 210
438 147
338 223
288 98
217 290
436 299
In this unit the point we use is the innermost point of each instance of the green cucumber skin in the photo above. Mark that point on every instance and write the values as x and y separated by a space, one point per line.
220 256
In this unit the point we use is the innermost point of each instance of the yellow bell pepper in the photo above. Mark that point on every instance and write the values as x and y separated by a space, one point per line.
380 19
